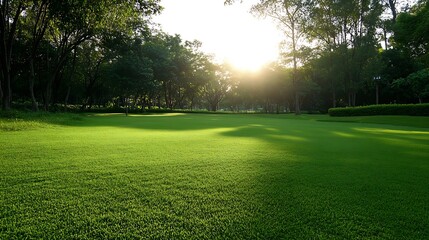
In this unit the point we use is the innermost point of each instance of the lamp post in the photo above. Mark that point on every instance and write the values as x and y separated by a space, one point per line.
376 80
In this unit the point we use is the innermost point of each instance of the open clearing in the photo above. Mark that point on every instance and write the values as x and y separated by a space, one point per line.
184 176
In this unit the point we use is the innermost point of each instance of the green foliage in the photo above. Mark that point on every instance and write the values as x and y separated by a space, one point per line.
417 82
411 31
100 53
9 114
385 109
198 176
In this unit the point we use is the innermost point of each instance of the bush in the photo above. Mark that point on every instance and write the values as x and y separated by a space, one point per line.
388 109
9 114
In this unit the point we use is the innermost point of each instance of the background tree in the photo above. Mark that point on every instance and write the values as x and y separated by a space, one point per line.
411 33
218 84
416 84
108 53
290 16
10 14
37 21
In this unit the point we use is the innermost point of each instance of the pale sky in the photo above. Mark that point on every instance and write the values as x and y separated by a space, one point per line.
230 33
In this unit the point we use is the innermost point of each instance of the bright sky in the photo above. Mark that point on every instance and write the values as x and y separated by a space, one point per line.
231 33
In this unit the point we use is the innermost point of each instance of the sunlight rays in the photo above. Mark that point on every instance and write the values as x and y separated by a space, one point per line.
230 33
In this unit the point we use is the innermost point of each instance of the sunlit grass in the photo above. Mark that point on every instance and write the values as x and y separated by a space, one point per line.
192 176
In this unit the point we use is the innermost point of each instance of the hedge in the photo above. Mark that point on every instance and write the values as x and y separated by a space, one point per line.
386 109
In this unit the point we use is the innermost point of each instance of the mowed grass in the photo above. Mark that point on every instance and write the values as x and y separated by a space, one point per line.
196 176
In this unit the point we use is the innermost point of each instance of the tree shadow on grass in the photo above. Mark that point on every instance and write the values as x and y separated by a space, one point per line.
19 121
318 179
339 184
167 122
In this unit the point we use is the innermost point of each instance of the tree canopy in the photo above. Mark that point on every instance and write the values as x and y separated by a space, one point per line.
89 54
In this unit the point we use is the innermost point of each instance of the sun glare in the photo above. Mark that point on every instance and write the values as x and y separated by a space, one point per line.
230 33
247 49
247 43
249 58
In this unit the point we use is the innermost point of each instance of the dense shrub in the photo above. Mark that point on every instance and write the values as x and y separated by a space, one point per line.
9 114
388 109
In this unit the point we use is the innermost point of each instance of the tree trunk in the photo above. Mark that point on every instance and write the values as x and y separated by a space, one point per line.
7 91
125 100
167 96
8 26
1 91
334 98
39 28
392 7
48 93
385 37
295 66
66 99
213 107
297 105
34 103
144 102
349 99
376 93
266 105
191 105
55 76
84 103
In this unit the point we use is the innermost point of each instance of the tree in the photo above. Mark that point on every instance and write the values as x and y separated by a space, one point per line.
132 74
90 59
345 30
158 49
217 85
37 19
10 13
290 15
372 74
391 4
411 33
417 83
178 66
200 63
50 33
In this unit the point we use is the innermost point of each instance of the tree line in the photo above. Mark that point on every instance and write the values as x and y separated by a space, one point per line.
110 54
351 52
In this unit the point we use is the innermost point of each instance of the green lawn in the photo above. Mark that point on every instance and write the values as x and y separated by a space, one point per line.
198 176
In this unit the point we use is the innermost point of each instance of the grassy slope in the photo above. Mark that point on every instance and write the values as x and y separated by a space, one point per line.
182 176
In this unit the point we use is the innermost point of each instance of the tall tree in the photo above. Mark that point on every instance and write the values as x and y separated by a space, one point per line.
416 83
37 20
76 21
10 13
217 85
344 30
290 15
392 4
411 33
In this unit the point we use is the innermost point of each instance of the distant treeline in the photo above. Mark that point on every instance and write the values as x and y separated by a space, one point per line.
108 55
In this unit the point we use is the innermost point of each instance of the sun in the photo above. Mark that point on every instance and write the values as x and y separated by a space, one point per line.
250 58
248 44
229 33
248 51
